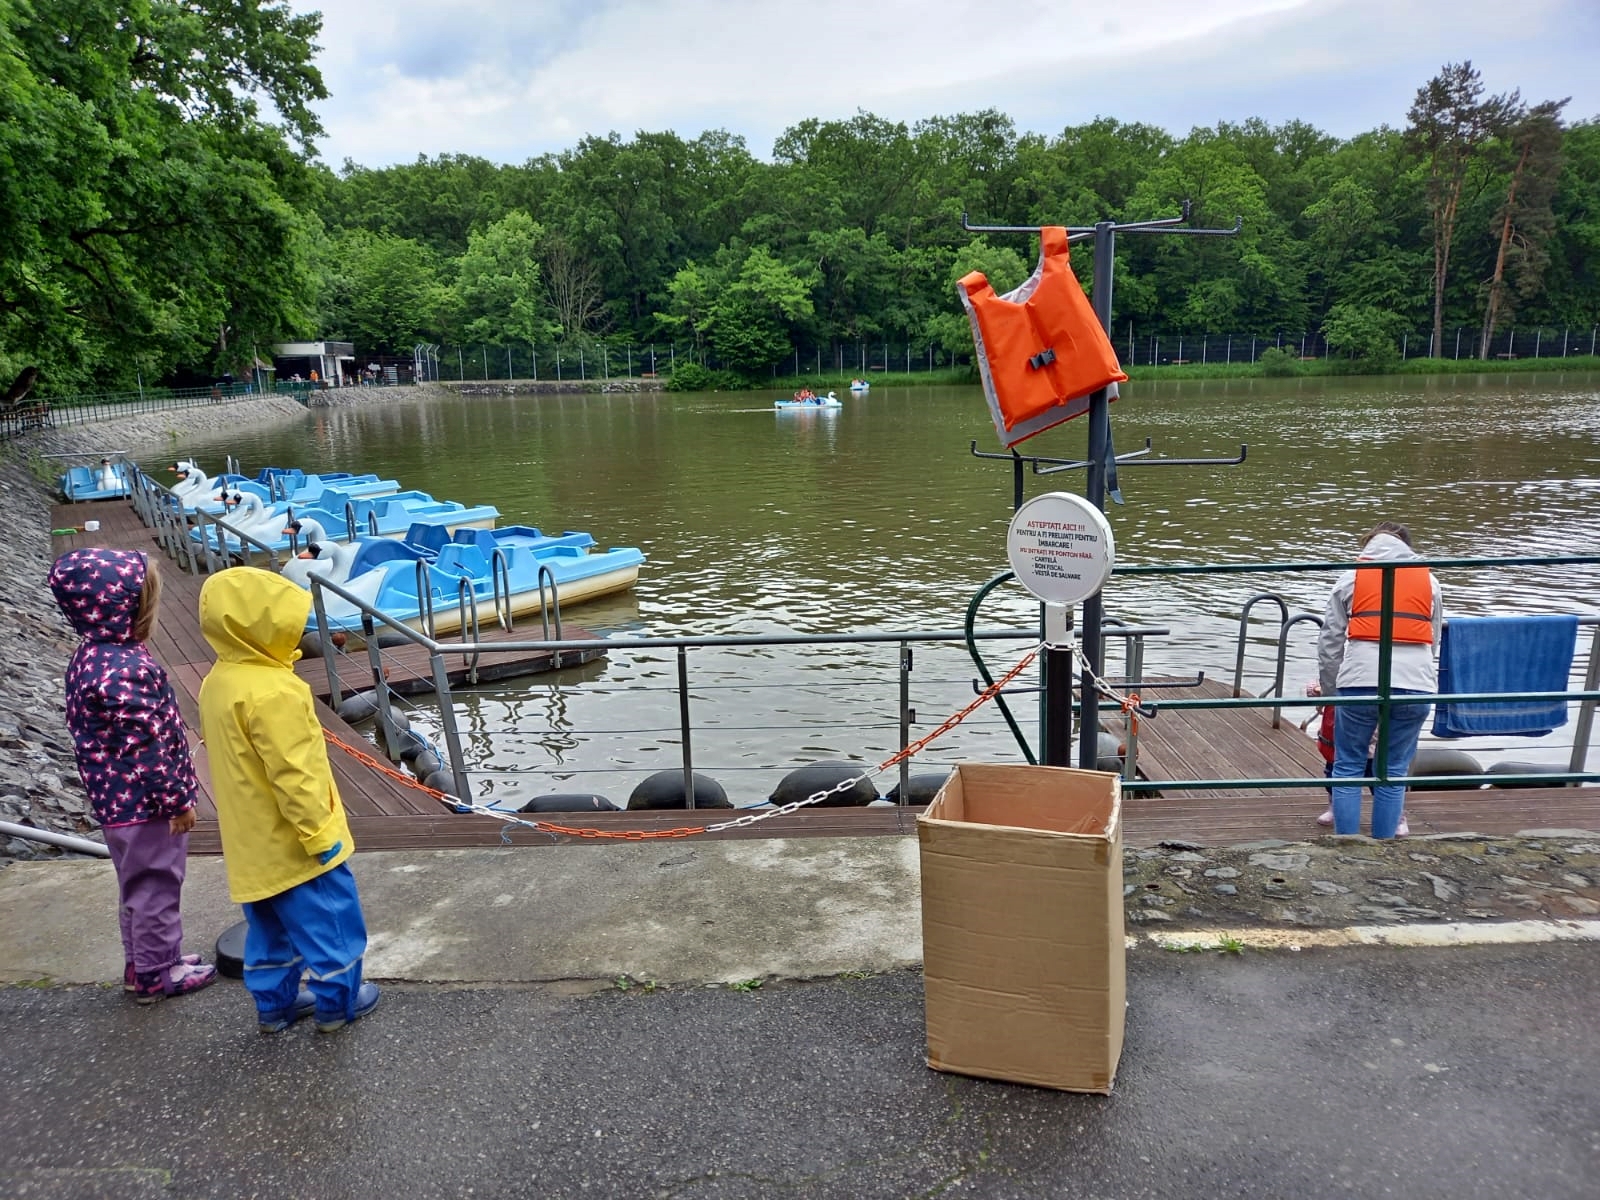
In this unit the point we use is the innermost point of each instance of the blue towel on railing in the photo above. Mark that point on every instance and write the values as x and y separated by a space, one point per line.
1504 654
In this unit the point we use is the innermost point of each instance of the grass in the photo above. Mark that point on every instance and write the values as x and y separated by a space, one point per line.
1225 944
745 985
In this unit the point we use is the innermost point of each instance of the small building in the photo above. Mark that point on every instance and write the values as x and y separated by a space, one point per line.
333 362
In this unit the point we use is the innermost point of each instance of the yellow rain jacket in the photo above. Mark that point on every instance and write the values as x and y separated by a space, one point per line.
277 805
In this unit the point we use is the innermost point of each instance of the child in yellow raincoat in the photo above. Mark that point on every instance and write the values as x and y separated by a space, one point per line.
285 839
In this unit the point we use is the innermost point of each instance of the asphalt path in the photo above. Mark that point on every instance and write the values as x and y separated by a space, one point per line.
1460 1073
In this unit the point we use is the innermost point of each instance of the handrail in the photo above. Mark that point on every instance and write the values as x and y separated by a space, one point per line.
500 570
424 600
464 594
1283 657
1244 627
350 520
554 603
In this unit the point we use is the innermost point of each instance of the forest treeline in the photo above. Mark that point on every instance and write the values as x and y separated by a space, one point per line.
162 210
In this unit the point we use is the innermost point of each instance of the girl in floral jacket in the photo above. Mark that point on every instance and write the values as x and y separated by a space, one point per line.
133 758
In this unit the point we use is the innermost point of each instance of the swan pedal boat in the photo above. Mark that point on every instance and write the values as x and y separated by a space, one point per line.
395 516
383 572
108 481
828 401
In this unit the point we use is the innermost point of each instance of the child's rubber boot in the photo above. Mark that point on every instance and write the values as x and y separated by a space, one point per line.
179 979
366 1001
128 980
278 1019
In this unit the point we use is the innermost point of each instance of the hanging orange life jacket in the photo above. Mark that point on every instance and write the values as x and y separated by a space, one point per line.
1413 605
1040 347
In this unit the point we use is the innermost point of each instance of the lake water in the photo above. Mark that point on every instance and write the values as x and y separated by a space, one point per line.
878 517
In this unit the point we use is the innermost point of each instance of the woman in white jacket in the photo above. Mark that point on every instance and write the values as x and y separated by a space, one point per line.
1347 655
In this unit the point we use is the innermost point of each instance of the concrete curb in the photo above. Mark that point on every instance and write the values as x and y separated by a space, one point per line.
1455 933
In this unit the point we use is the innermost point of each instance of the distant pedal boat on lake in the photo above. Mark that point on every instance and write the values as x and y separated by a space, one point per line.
807 399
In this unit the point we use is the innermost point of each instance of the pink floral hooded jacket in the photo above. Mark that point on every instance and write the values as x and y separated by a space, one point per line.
126 729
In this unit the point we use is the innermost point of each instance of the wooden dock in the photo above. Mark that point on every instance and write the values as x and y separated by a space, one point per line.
409 671
1185 744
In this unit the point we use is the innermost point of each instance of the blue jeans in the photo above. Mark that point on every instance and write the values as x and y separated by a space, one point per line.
1353 727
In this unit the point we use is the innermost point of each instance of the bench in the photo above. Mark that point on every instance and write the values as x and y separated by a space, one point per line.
30 414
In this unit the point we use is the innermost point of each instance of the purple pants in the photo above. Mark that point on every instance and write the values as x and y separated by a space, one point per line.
150 863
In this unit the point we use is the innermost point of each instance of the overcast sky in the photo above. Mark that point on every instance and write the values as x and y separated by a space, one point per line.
510 79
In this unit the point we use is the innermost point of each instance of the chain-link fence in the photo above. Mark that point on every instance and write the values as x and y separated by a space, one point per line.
614 359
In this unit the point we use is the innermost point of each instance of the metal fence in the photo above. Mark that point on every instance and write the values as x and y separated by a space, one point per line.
615 359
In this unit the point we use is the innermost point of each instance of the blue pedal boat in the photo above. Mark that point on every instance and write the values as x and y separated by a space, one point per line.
385 573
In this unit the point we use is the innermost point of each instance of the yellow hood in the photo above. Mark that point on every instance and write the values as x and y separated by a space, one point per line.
253 616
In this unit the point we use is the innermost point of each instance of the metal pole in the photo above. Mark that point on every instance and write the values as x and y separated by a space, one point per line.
447 718
533 350
335 692
461 365
683 725
905 719
485 352
1060 662
1458 341
1585 722
511 373
380 687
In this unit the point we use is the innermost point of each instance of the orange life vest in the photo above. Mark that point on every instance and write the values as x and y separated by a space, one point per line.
1040 347
1413 605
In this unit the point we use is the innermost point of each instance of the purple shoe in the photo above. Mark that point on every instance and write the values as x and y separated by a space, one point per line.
128 980
179 979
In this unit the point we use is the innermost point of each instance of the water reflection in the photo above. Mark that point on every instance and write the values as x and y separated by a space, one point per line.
876 516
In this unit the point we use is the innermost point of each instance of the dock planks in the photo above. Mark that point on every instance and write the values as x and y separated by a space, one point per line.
1230 743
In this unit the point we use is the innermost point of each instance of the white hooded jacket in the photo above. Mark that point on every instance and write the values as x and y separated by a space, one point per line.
1343 663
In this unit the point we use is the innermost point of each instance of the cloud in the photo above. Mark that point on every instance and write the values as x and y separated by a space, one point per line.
510 80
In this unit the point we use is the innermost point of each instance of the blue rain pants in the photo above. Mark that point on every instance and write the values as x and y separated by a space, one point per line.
315 928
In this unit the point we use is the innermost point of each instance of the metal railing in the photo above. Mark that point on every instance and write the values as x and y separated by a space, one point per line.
1385 699
184 532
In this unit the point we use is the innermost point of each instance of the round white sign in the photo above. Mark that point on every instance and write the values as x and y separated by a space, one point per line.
1060 547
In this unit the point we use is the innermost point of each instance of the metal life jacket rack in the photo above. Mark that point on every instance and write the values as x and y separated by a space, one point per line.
1100 463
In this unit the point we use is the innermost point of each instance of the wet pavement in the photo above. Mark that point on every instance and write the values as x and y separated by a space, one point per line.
1462 1072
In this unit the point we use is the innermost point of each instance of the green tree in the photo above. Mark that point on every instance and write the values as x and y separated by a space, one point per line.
1526 219
1363 333
498 286
951 329
386 293
1451 121
151 215
755 312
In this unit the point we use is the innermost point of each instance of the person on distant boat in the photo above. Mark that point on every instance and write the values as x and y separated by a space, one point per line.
1348 652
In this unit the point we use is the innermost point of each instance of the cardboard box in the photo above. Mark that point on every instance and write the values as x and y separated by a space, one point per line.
1024 962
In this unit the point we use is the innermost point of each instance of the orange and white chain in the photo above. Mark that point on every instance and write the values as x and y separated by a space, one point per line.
549 827
1130 705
